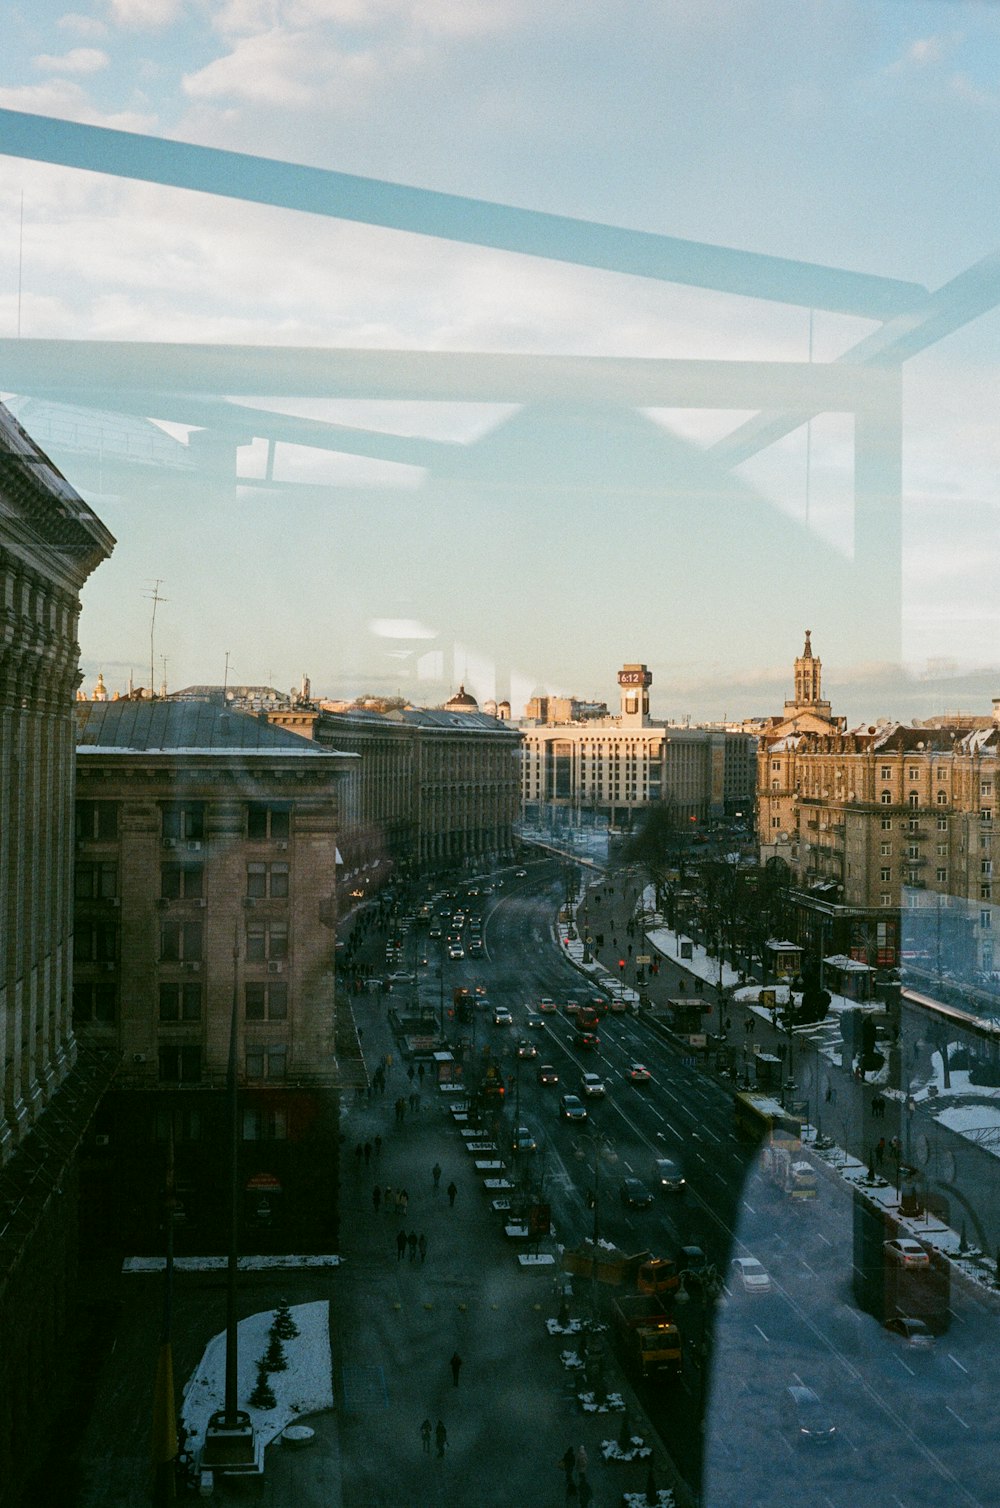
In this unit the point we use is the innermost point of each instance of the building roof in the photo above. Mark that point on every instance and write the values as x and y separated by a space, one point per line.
58 517
184 728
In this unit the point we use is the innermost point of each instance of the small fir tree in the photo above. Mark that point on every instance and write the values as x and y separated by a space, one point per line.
274 1356
283 1326
262 1396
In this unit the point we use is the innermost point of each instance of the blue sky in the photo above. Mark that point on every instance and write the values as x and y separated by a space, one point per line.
861 136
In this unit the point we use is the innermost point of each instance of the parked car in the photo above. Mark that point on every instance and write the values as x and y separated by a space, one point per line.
592 1085
749 1276
572 1108
669 1175
809 1417
547 1074
639 1073
635 1195
906 1251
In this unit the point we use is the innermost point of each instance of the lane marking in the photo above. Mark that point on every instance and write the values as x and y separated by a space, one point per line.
961 1421
958 1364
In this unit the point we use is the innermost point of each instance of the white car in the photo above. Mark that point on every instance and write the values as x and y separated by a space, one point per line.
639 1073
906 1251
502 1016
749 1275
546 1005
593 1085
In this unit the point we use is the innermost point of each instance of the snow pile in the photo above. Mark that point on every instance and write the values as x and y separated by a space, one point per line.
664 1499
305 1387
638 1451
613 1403
572 1327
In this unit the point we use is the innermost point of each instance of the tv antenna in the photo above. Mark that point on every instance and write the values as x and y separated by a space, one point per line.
156 599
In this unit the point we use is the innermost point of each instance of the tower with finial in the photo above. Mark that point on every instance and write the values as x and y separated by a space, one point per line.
808 685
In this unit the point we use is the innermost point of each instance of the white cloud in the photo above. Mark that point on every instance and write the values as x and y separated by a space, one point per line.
144 15
281 68
925 52
82 26
431 17
80 60
65 99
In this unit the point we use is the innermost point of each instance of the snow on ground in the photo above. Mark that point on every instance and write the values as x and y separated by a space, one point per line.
218 1264
306 1387
969 1118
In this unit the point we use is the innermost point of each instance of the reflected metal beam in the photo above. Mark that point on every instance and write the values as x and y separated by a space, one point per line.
452 217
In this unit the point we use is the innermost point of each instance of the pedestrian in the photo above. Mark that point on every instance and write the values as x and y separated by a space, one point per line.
452 1193
456 1367
422 1246
414 1101
420 1072
425 1435
880 1150
400 1245
376 1197
411 1073
436 1174
402 1202
581 1460
359 1153
368 1153
411 1241
566 1463
441 1437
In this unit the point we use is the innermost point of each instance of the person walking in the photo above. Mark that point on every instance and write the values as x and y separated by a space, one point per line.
441 1438
456 1367
452 1193
404 1202
426 1430
880 1151
581 1460
411 1241
376 1197
422 1246
436 1175
400 1245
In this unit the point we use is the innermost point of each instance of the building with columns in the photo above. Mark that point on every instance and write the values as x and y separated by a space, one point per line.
50 543
618 766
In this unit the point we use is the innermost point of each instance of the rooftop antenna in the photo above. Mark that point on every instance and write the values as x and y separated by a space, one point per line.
156 599
225 677
163 683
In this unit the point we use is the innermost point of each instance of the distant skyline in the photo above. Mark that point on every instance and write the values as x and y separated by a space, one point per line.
534 547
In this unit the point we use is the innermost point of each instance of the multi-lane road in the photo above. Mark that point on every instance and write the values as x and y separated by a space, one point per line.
917 1426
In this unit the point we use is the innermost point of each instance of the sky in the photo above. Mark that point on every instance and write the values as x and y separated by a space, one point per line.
527 528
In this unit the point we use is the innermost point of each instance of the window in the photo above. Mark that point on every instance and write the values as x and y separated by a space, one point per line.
986 918
95 882
775 821
885 849
942 824
886 798
182 882
95 942
942 798
986 815
96 821
985 892
266 1062
913 799
183 823
985 841
180 1002
268 823
885 899
181 941
94 1004
265 1125
183 1123
986 867
266 941
912 851
986 788
886 824
886 772
266 1002
180 1065
912 876
941 847
913 773
775 764
885 875
267 879
942 876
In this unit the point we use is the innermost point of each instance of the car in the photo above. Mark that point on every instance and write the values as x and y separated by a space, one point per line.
669 1175
487 890
749 1275
546 1005
634 1194
534 1020
547 1074
906 1252
692 1261
639 1073
912 1332
502 1016
520 874
523 1141
592 1085
572 1108
571 1007
475 948
526 1049
402 977
808 1416
435 933
588 1041
456 952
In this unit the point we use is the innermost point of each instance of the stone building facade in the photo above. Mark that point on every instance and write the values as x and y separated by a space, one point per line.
206 871
50 542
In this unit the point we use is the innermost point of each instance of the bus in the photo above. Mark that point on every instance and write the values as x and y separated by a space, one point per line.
778 1131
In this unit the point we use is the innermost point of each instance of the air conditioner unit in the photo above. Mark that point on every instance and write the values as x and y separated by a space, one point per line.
102 1141
275 968
201 902
281 847
116 900
192 968
138 1057
170 842
194 848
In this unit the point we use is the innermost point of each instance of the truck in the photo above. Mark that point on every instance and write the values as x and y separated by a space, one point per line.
646 1334
792 1175
607 1263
